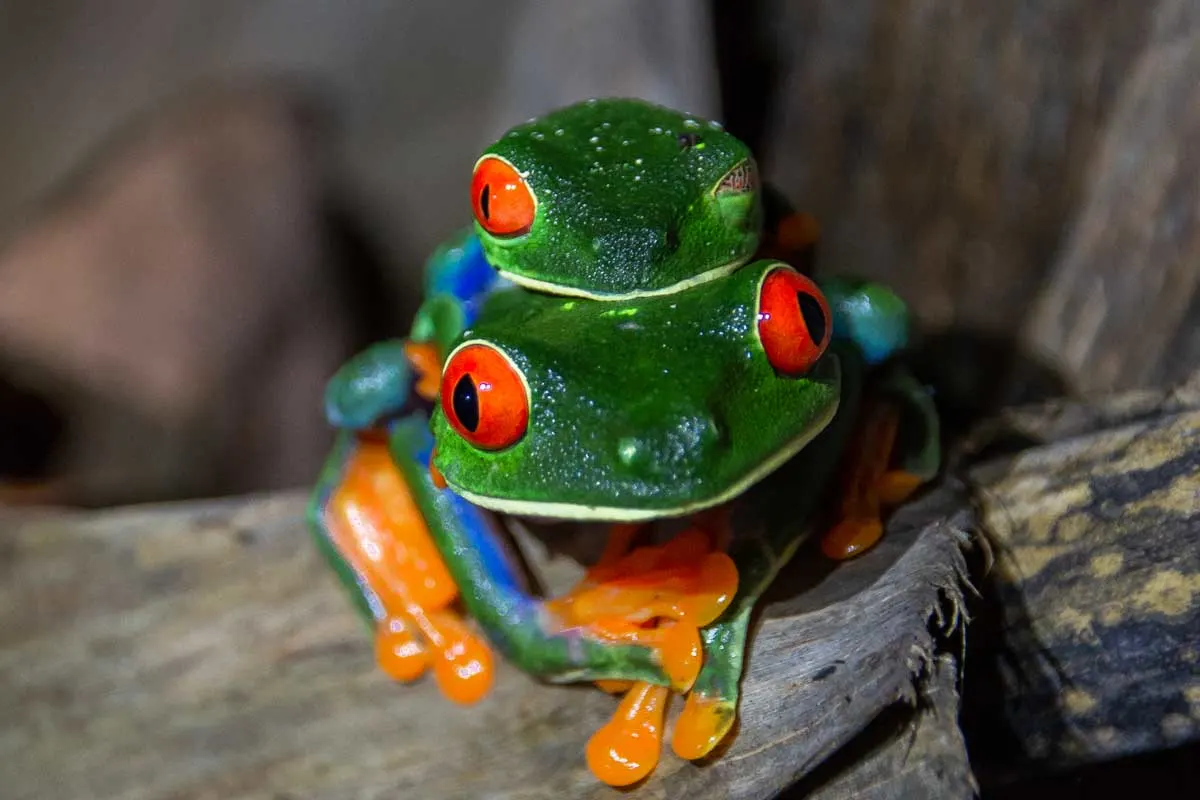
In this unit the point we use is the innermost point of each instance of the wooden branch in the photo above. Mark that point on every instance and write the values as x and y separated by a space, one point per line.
1125 290
203 650
1098 579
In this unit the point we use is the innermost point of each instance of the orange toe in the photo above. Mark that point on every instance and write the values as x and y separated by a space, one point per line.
702 725
628 747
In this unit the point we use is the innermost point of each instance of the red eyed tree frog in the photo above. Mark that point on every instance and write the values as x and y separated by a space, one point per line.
603 345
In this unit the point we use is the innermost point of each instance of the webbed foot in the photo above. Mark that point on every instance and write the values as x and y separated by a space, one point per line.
662 596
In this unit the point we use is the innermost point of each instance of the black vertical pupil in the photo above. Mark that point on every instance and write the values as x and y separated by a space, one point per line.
813 315
466 403
484 199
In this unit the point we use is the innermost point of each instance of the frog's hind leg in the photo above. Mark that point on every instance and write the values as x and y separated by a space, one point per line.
371 531
895 451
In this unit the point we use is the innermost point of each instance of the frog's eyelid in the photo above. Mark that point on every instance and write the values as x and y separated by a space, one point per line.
741 178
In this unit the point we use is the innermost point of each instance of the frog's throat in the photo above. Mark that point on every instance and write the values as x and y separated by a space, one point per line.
571 511
549 287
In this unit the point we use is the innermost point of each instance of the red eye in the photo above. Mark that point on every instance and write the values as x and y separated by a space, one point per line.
484 397
794 324
502 201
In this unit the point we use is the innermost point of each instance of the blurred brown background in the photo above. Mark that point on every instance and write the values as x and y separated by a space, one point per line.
204 207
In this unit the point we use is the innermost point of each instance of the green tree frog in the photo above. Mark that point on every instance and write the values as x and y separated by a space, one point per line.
615 339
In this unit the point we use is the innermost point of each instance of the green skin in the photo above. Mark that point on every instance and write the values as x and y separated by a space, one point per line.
629 201
652 399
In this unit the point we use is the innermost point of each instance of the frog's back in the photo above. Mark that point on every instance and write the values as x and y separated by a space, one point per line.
616 198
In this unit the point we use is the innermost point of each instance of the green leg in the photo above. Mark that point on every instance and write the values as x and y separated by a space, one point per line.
366 602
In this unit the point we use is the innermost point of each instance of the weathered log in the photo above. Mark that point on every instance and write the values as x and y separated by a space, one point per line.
202 650
1093 652
209 637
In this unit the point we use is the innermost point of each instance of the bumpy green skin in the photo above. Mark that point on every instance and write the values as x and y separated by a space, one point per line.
661 404
622 206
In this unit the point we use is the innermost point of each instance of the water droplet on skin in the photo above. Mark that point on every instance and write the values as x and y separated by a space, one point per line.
594 139
599 148
637 177
538 135
625 141
559 131
656 130
691 123
605 124
716 126
637 161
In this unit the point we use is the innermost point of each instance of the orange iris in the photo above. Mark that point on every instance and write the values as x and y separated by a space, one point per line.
503 203
484 397
794 323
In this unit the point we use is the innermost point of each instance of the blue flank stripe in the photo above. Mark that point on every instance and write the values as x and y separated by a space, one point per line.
476 525
465 275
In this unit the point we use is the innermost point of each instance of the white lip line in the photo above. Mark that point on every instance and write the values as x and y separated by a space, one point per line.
569 511
559 289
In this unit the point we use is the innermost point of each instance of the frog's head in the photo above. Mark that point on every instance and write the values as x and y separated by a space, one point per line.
616 199
649 408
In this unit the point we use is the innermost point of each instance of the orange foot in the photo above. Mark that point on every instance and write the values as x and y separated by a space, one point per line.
869 486
660 596
376 526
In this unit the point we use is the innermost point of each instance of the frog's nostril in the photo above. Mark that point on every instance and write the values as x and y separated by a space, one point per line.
674 448
628 450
